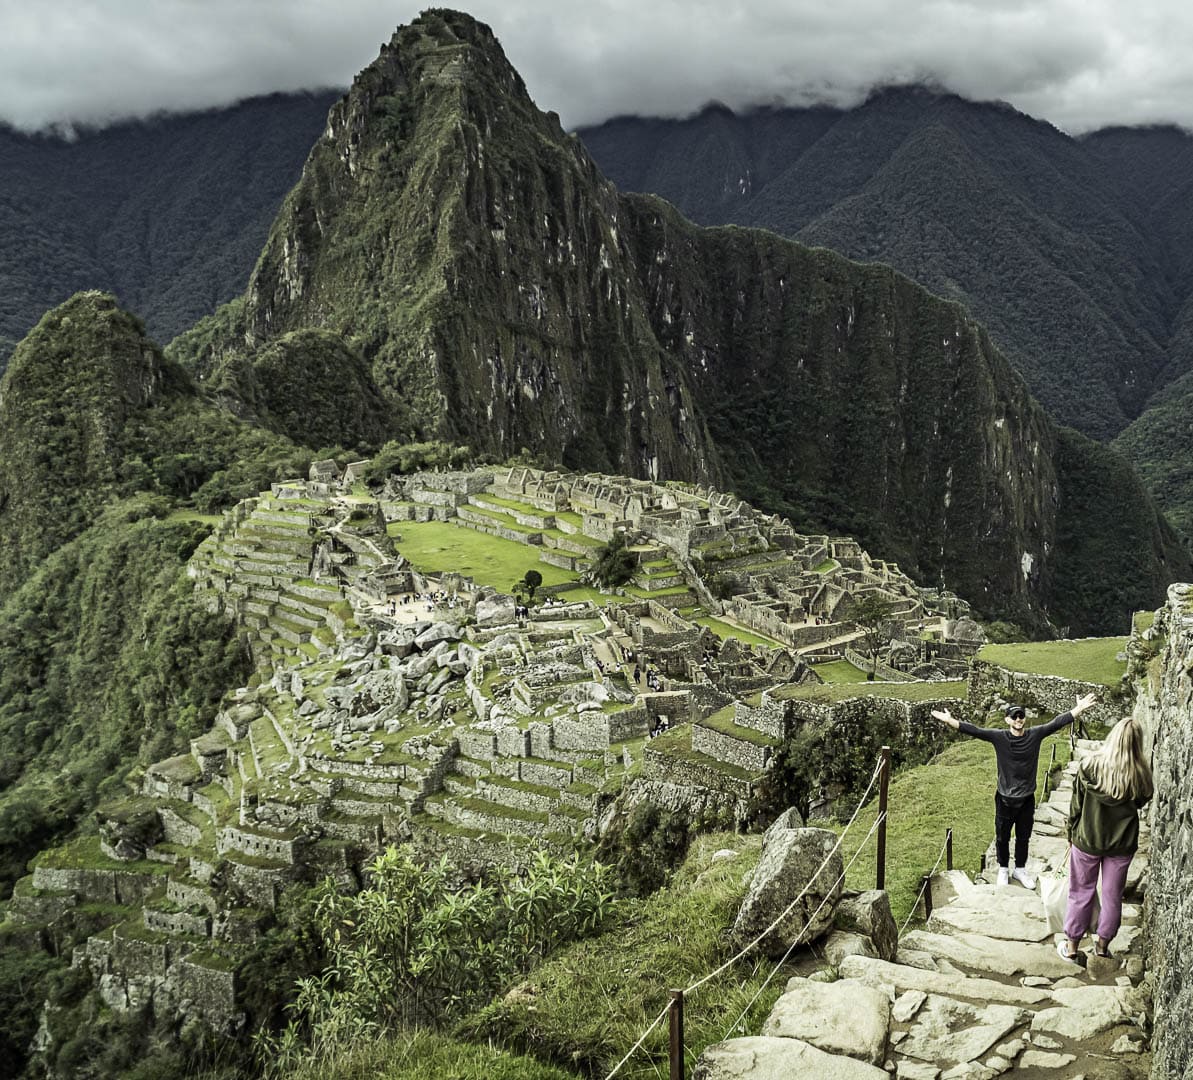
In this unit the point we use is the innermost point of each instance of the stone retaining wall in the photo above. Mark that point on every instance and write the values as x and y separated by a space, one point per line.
745 755
1050 694
1164 705
281 849
97 886
682 772
177 922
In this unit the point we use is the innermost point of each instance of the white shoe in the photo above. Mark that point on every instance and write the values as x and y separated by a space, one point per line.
1004 876
1024 877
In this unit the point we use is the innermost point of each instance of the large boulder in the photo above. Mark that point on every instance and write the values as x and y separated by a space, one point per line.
435 633
399 642
788 819
788 867
843 1017
496 612
870 915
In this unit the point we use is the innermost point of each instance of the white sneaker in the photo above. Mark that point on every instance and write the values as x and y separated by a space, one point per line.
1004 876
1024 877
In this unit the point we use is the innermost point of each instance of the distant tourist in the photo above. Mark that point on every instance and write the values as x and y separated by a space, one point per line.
1017 751
1108 790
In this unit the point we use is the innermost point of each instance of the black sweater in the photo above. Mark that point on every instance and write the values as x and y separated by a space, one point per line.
1018 755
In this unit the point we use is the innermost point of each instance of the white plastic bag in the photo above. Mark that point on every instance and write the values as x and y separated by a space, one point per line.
1054 891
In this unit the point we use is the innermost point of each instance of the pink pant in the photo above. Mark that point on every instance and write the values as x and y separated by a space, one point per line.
1083 885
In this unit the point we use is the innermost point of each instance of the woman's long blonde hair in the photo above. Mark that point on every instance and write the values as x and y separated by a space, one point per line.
1119 768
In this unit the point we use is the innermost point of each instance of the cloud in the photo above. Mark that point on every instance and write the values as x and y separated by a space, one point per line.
1078 64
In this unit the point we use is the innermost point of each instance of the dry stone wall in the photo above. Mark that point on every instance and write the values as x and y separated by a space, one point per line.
1165 706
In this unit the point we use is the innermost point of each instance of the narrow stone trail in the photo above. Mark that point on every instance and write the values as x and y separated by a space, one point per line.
980 992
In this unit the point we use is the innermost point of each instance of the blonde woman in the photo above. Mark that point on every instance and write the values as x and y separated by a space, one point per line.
1108 790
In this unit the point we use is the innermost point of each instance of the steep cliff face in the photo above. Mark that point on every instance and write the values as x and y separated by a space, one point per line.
847 393
1165 704
470 251
505 296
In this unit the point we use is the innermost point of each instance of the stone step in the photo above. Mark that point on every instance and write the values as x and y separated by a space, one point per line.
882 974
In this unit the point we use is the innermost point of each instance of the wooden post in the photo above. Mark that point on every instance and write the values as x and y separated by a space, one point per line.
927 896
675 1012
948 849
883 786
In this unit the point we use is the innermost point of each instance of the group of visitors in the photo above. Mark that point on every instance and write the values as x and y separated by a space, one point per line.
1109 788
432 600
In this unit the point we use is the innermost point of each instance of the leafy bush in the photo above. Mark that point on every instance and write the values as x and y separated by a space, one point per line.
614 563
413 949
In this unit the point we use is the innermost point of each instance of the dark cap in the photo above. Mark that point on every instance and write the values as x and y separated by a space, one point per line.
1015 712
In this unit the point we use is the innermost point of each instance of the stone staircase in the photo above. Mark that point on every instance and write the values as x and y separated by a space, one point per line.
979 992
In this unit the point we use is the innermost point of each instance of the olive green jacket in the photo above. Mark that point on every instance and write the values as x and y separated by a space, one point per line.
1100 824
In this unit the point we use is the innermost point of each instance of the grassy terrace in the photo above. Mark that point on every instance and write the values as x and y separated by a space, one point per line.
727 630
438 546
1088 659
723 722
840 671
908 691
677 743
84 854
1143 620
513 504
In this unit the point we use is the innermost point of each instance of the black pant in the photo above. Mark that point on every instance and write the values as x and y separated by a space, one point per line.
1017 814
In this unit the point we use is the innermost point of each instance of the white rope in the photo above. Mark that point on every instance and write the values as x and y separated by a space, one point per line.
786 911
803 892
924 885
791 948
630 1053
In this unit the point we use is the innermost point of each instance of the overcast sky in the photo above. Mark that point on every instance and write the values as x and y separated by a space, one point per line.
1080 64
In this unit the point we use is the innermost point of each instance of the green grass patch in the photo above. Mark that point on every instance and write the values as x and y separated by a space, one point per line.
590 1002
677 743
84 853
437 546
1143 621
825 565
422 1053
840 671
725 630
955 790
654 594
909 691
512 504
723 722
1088 659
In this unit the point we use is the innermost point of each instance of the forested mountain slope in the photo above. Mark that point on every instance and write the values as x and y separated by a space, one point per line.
169 214
503 294
1073 252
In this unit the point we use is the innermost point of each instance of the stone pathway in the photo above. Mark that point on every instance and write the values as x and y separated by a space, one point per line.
980 992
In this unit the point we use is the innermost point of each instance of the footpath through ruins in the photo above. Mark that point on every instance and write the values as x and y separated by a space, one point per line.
980 992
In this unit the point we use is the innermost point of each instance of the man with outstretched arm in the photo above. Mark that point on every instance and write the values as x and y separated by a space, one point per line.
1017 751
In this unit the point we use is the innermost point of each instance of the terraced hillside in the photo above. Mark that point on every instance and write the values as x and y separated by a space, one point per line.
407 697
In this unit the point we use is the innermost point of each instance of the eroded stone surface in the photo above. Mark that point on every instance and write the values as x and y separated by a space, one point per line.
952 1032
843 1017
761 1058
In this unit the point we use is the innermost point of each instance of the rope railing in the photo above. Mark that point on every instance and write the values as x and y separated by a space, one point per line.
878 772
925 884
811 918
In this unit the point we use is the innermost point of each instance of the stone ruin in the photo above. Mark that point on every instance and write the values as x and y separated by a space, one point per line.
464 729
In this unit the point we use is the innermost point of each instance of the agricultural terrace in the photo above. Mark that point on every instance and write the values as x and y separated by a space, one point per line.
1094 660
